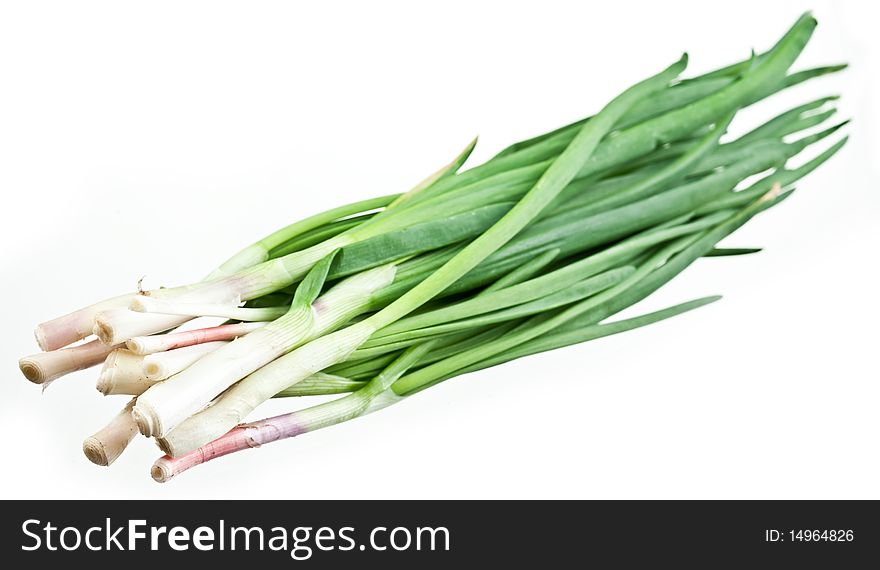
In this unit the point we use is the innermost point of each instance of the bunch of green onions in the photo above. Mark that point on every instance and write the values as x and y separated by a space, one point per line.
374 301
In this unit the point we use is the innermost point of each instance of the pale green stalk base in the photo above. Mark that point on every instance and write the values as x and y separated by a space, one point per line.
234 405
166 405
321 384
145 304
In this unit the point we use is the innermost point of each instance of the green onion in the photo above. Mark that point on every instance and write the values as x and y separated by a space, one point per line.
380 299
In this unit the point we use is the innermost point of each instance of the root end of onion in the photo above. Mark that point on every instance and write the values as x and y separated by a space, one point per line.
143 421
95 452
137 346
160 472
31 370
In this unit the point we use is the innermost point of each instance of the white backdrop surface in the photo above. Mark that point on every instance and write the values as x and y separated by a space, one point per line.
154 139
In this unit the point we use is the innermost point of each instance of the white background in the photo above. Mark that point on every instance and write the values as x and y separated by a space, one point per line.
156 138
